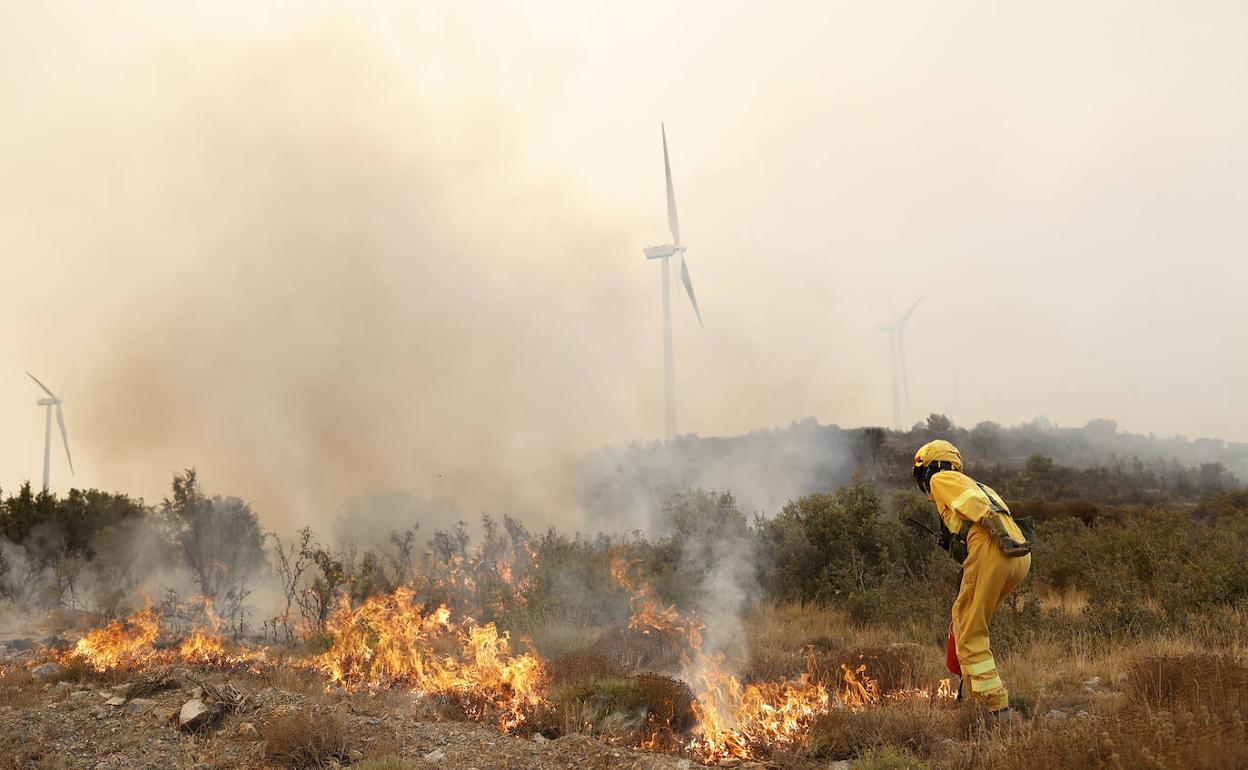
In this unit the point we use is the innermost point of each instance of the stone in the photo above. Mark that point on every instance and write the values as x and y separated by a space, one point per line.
140 705
197 693
1092 685
194 714
843 764
46 671
539 738
437 755
684 764
116 700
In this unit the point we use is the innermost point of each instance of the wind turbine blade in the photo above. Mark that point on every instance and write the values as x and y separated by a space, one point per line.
60 420
688 282
673 223
40 384
906 317
68 374
901 353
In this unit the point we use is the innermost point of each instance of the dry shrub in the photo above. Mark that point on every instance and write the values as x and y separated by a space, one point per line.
582 666
300 739
915 726
638 650
153 684
668 703
77 670
631 709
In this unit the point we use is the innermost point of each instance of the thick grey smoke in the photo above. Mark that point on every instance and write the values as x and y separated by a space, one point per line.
319 251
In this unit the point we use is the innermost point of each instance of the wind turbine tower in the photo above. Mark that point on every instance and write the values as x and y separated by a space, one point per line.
665 253
52 401
897 353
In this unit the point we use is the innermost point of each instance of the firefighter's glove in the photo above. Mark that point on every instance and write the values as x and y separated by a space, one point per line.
995 524
956 543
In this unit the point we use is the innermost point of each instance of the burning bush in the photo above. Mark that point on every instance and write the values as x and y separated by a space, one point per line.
392 641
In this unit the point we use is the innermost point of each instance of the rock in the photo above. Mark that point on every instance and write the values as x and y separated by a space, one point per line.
194 714
247 730
197 693
1092 685
843 764
140 705
116 700
437 755
105 694
20 644
684 764
1056 715
46 671
80 694
729 762
539 738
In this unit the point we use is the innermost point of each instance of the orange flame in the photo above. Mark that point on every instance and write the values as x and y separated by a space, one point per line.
389 641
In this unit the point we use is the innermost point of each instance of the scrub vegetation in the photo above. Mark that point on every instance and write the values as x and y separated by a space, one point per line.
1124 647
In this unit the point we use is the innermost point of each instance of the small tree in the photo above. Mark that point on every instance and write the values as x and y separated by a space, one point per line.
219 538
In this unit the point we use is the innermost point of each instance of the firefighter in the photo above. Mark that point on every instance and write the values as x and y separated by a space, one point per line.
980 533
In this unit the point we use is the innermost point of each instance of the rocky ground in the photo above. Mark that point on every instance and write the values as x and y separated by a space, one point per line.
52 716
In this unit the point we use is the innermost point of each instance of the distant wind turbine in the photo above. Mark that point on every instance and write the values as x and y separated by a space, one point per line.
52 401
665 252
897 352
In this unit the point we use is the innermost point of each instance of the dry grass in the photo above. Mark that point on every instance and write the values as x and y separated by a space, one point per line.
582 666
21 750
384 763
300 739
913 726
295 680
18 689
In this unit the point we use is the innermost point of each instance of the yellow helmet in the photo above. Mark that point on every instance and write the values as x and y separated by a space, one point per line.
937 451
932 458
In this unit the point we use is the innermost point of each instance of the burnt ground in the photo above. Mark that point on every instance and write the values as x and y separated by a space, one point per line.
74 719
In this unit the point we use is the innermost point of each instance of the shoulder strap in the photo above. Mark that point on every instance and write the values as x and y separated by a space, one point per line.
995 505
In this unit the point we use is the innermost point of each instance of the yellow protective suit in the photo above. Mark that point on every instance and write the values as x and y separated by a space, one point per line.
988 575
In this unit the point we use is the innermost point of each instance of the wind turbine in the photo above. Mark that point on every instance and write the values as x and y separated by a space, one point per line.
52 401
897 352
665 252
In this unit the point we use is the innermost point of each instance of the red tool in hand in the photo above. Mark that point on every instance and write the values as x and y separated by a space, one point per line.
951 654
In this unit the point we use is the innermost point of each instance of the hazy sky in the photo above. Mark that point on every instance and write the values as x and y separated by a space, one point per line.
318 249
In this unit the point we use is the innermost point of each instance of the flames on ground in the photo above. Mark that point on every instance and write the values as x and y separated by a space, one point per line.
394 641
